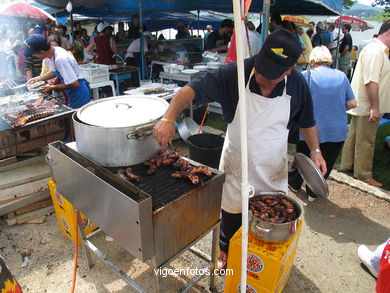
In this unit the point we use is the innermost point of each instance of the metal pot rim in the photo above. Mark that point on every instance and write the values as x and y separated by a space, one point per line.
76 119
122 113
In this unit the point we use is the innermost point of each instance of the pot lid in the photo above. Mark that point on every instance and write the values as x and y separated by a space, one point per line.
123 111
311 174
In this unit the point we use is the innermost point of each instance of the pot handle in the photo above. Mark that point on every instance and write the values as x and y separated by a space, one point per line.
142 132
140 135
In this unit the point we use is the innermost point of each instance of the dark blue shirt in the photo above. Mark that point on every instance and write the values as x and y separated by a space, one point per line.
221 86
321 38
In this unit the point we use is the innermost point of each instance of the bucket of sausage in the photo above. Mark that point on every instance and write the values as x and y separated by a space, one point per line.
273 216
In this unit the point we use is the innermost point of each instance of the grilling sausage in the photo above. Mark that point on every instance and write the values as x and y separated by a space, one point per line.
132 177
193 178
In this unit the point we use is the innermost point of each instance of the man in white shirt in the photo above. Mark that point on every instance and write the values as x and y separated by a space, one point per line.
254 39
371 86
64 66
135 47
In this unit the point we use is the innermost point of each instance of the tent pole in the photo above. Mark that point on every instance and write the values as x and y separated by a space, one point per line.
71 25
141 28
338 44
198 22
245 187
265 22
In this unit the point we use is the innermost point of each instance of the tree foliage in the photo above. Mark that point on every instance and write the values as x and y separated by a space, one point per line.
386 4
349 3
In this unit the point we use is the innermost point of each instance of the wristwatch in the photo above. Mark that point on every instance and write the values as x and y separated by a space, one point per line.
314 151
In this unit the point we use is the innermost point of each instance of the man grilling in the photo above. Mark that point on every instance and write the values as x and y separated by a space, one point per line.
64 66
277 97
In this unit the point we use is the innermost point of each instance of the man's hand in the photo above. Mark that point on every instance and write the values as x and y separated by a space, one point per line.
47 88
320 162
375 115
33 80
163 132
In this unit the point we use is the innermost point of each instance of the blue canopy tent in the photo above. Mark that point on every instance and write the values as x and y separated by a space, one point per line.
120 8
126 7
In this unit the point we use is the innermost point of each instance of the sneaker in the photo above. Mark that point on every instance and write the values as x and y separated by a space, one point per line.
311 199
294 189
222 260
365 256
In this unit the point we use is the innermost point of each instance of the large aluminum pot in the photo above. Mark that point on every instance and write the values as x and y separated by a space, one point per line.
273 231
118 131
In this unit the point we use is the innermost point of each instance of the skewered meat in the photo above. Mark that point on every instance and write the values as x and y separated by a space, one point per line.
21 120
193 178
201 170
126 174
132 177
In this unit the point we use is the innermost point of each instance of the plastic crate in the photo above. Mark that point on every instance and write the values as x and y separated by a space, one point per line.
97 79
65 215
253 286
90 70
267 262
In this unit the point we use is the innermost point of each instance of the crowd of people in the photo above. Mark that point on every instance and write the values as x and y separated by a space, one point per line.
320 34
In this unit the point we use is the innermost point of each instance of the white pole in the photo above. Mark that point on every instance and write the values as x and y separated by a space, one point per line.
245 187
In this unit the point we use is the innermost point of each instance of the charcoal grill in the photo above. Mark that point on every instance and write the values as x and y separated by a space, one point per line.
32 135
154 220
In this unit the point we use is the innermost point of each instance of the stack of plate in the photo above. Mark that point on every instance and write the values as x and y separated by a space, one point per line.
213 65
201 67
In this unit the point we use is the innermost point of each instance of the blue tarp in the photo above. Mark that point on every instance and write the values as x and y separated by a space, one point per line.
158 21
128 7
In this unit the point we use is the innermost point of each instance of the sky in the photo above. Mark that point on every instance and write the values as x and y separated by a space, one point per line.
366 2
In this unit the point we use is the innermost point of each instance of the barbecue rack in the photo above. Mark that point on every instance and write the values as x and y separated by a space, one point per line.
156 220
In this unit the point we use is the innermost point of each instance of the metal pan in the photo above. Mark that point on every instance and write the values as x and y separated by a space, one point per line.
312 175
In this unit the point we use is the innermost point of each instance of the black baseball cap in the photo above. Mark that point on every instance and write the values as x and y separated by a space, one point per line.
35 43
279 52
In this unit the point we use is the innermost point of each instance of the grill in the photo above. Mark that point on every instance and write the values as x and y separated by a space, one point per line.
161 186
153 220
34 134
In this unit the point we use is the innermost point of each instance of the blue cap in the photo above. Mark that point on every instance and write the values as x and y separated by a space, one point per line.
35 43
39 28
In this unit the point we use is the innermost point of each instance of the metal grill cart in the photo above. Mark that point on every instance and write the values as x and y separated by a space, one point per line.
155 220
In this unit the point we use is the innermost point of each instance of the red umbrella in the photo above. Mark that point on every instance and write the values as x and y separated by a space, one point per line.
356 23
24 10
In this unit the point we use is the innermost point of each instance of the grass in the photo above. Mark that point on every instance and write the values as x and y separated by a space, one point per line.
215 120
381 167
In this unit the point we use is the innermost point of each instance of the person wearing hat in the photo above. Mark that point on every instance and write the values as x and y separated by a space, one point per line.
64 67
33 64
218 40
105 46
277 97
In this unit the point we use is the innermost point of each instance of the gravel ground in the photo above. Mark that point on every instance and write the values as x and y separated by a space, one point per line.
326 259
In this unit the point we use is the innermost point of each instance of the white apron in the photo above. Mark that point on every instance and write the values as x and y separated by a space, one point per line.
267 120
